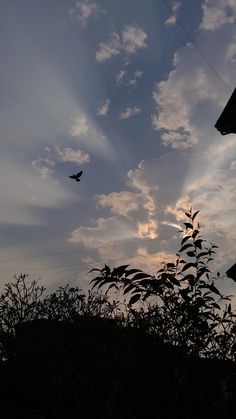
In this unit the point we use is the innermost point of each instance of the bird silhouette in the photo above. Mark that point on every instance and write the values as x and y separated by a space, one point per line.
77 176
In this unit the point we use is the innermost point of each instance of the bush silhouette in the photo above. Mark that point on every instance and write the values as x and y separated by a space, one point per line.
188 310
168 353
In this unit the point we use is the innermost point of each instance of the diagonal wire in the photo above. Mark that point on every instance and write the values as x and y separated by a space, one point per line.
201 53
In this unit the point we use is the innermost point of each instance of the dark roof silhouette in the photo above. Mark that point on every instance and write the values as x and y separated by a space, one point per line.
77 176
226 123
231 272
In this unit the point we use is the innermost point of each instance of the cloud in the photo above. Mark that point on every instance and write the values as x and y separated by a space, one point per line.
131 39
103 109
172 19
83 11
178 99
151 262
129 112
27 188
88 133
122 77
121 203
231 51
79 125
149 227
67 154
138 74
217 13
109 49
105 238
43 167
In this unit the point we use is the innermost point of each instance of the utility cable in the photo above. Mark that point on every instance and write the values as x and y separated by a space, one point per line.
201 53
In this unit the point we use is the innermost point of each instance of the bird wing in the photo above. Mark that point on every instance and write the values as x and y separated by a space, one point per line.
79 174
73 177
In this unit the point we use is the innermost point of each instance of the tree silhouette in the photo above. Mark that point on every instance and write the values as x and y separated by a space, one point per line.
188 310
166 351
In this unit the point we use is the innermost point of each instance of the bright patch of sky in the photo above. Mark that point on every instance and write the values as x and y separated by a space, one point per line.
129 95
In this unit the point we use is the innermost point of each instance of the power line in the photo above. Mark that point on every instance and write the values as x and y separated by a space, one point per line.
201 53
72 251
72 267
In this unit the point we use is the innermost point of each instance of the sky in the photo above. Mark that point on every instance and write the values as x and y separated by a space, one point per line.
129 92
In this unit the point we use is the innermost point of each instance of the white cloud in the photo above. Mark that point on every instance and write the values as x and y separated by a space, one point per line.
120 76
131 39
79 125
233 165
109 49
129 112
178 98
89 134
217 13
27 192
121 203
138 74
43 167
103 109
178 139
231 51
172 19
106 238
151 262
83 11
67 154
149 227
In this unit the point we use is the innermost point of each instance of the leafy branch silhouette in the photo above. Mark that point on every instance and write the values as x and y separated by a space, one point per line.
184 306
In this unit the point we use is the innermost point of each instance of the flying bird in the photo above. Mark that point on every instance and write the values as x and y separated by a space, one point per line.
77 176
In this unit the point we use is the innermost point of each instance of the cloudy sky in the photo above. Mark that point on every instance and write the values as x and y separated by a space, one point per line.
128 92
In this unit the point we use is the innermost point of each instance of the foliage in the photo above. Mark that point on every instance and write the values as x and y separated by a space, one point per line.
24 300
181 303
20 301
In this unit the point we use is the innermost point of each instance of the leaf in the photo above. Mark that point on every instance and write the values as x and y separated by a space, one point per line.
147 295
119 271
188 225
97 280
195 233
106 269
212 288
173 280
134 299
128 288
140 275
200 255
216 306
186 246
187 214
191 279
185 239
132 271
188 265
191 254
195 214
170 265
198 243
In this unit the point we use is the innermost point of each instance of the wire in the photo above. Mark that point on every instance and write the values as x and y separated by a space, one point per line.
201 53
71 252
72 267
